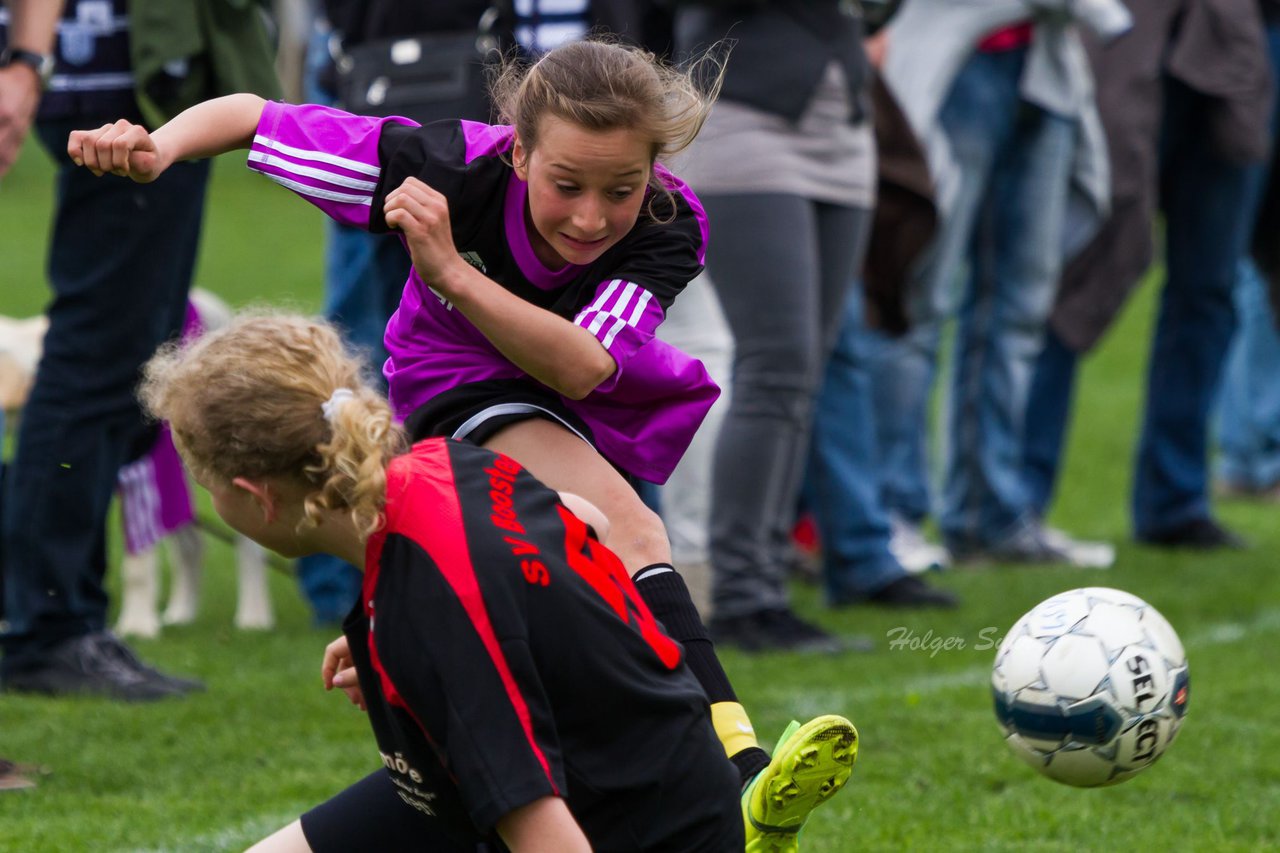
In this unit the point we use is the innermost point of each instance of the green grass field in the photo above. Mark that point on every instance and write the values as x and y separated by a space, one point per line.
221 769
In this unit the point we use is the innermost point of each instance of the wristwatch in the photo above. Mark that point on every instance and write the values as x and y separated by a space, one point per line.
41 63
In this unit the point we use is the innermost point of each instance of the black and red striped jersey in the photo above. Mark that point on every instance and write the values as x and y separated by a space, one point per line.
505 655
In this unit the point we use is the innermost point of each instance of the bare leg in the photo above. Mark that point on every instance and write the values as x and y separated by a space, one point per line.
287 840
566 463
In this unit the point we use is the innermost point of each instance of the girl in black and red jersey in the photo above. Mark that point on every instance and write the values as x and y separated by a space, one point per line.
518 688
520 691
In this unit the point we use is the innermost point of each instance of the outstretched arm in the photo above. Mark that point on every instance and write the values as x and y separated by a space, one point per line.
209 128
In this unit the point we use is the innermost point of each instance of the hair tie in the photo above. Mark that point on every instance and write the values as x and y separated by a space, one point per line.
336 401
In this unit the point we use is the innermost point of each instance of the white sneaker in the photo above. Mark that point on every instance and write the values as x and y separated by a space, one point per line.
1081 552
916 554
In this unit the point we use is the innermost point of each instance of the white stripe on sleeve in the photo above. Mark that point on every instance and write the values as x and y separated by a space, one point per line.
600 300
616 311
618 326
316 192
318 156
309 172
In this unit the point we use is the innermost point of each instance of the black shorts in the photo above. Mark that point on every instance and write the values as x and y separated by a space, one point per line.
475 412
371 816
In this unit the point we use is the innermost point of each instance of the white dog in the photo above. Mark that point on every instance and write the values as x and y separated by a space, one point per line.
155 505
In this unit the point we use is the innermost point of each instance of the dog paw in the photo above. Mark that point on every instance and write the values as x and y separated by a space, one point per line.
143 625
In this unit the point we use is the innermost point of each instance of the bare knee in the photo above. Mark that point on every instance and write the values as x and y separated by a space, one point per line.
638 536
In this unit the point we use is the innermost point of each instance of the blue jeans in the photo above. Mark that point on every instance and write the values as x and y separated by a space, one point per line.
1048 413
119 291
842 479
364 275
1209 205
1000 245
1249 407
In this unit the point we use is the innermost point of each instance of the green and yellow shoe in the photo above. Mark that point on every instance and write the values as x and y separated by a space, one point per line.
810 764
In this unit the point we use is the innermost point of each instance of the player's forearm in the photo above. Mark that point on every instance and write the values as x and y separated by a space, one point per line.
563 356
543 826
210 128
32 24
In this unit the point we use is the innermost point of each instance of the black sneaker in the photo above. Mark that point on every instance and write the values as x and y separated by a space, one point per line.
112 644
776 630
1202 534
911 591
95 664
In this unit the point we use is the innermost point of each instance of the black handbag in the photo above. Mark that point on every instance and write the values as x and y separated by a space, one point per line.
426 77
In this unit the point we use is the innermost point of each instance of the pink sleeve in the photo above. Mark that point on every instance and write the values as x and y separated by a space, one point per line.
623 317
327 156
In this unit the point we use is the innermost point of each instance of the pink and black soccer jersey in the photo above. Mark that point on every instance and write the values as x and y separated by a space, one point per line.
643 416
505 656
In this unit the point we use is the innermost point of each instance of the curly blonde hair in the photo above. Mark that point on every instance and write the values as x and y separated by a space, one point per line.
245 401
601 84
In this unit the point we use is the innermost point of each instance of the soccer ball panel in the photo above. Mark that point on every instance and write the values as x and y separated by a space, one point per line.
1081 767
1020 665
1053 617
1074 666
1163 637
1114 625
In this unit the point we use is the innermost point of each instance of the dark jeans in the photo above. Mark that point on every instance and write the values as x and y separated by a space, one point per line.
1208 203
121 262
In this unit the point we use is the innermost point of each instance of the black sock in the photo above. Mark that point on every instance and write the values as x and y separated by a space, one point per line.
749 762
668 598
662 588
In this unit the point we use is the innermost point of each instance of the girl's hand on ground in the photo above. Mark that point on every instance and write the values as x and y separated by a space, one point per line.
122 148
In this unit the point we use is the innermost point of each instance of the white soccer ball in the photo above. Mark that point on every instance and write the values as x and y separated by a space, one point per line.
1090 686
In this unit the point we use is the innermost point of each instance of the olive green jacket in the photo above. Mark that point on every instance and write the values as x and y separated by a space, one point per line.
189 51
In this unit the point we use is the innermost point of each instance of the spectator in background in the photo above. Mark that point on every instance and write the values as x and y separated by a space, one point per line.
842 484
1001 96
791 209
1186 108
119 290
1249 406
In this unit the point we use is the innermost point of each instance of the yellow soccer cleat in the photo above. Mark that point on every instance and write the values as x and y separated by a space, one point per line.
810 764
